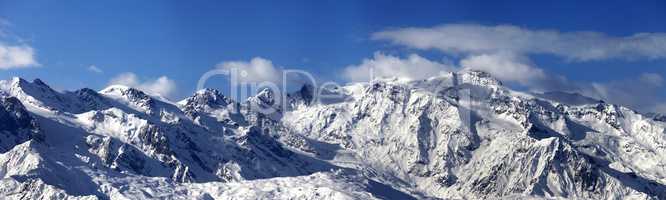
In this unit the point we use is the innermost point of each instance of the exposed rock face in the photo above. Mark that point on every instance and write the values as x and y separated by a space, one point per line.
461 135
16 124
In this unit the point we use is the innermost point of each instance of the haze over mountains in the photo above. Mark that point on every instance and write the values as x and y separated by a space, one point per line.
459 135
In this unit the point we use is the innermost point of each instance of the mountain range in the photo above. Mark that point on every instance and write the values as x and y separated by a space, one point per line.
461 135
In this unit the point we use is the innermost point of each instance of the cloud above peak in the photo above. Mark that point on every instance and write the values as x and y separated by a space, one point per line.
413 67
161 86
574 46
641 93
505 66
258 69
505 51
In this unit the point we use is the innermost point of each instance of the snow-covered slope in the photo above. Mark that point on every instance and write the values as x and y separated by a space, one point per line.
460 135
467 136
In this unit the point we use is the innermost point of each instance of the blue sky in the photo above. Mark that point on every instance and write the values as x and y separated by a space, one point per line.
181 40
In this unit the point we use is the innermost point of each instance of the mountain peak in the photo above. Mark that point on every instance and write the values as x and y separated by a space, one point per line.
18 82
124 91
17 79
39 82
307 92
130 95
208 91
266 95
208 97
114 88
477 77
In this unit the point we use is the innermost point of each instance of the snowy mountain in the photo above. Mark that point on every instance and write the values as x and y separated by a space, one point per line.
457 136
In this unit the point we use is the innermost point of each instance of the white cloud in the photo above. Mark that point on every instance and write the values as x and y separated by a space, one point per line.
161 86
413 67
576 46
19 56
95 69
505 67
256 70
14 55
641 93
504 52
